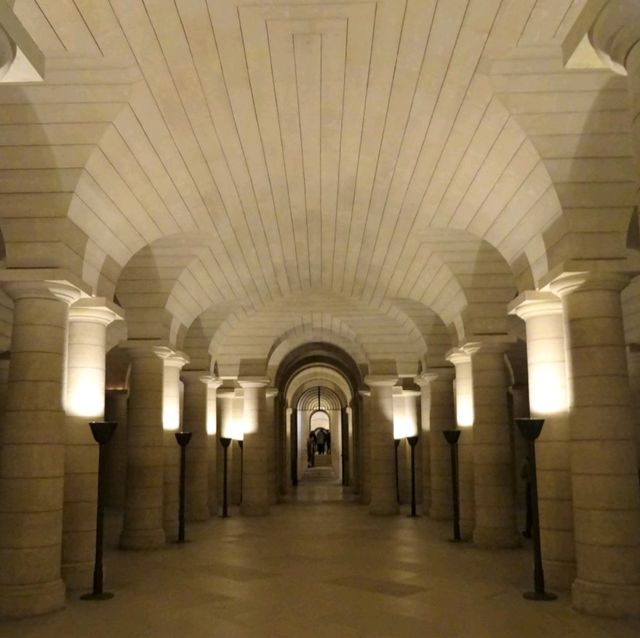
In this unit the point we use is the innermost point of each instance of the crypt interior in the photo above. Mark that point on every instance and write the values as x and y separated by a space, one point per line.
317 235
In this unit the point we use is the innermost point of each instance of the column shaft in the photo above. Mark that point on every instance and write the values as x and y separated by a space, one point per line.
88 320
142 525
495 524
255 479
382 457
195 421
606 494
32 459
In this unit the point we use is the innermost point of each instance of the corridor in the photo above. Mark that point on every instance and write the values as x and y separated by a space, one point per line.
327 570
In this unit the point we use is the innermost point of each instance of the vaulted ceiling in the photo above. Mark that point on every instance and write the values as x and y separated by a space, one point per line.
242 169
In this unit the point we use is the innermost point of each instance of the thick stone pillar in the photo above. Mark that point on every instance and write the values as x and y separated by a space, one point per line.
365 447
225 398
495 524
461 359
549 400
633 365
171 420
84 402
32 451
116 402
213 441
142 525
382 456
604 467
437 415
255 477
195 421
272 444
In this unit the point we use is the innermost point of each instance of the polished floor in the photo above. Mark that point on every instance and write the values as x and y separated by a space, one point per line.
311 570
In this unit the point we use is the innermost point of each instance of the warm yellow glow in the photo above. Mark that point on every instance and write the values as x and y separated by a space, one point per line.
85 393
465 414
235 430
547 389
403 427
212 422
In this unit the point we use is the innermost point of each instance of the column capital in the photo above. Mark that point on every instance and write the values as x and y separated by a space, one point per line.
615 31
210 381
43 289
462 354
176 359
253 382
378 380
535 303
564 282
95 310
424 380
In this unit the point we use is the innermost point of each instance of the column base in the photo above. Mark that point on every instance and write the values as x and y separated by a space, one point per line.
254 509
22 601
142 539
495 538
77 576
198 514
379 509
558 574
613 601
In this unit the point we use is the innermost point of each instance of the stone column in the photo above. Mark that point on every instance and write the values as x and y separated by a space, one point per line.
549 400
171 420
116 452
427 434
461 359
225 405
437 415
633 364
255 478
32 451
413 414
213 441
272 448
365 447
604 467
495 524
142 525
382 459
84 402
615 34
195 421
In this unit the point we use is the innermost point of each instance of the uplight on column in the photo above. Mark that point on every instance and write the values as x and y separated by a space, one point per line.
461 359
173 363
542 312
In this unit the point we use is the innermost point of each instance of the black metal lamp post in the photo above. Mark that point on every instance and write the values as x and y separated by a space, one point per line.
225 442
413 441
102 432
452 437
183 439
530 430
241 446
396 443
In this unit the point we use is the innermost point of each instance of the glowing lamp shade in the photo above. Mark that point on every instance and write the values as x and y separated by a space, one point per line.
171 413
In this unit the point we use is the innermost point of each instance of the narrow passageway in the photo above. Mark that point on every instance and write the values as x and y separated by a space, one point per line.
324 571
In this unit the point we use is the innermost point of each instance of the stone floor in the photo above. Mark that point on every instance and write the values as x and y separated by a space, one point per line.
313 570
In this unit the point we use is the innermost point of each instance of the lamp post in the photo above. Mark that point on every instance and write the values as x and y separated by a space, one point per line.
413 441
241 446
102 432
530 430
396 443
452 437
183 439
225 442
